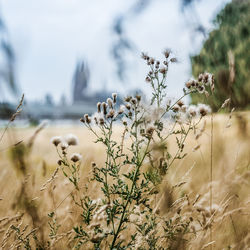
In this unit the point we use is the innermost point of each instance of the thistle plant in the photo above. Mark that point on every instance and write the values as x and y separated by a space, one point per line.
126 215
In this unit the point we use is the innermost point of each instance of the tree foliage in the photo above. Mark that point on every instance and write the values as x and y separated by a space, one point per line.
226 54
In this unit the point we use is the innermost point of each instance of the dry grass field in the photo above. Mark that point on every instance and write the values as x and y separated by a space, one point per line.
187 179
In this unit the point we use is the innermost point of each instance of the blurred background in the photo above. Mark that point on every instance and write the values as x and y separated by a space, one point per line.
67 55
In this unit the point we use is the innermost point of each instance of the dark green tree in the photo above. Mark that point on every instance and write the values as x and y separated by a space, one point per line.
226 54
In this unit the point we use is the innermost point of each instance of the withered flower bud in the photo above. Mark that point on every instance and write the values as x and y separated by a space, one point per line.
111 114
87 119
110 102
104 107
175 108
114 95
76 157
180 103
128 106
167 53
163 70
133 101
158 62
150 131
99 107
173 60
151 60
200 77
144 56
148 79
96 122
138 98
101 121
128 98
82 120
188 84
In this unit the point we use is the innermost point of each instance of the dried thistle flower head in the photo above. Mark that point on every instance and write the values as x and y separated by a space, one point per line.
148 79
87 119
128 106
180 103
174 60
167 53
150 131
76 157
176 108
56 140
204 109
188 84
201 89
163 70
64 145
114 96
144 56
151 60
133 101
138 98
98 107
71 140
111 114
104 107
192 111
121 109
101 121
110 102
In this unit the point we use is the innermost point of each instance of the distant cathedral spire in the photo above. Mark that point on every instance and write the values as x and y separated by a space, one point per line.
80 81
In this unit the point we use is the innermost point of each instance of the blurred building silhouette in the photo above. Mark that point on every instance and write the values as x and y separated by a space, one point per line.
80 82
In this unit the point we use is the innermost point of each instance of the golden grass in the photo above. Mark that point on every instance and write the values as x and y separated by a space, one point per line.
231 181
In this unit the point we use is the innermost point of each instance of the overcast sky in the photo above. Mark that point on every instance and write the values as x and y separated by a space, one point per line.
49 36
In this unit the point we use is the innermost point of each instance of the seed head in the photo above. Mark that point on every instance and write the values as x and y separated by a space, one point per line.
163 70
150 131
133 101
71 140
111 114
56 140
98 107
101 121
64 145
176 108
151 60
114 95
180 103
225 103
128 106
138 98
87 119
167 52
201 89
104 107
144 56
192 111
76 157
188 84
128 98
110 102
173 60
148 79
121 110
204 109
